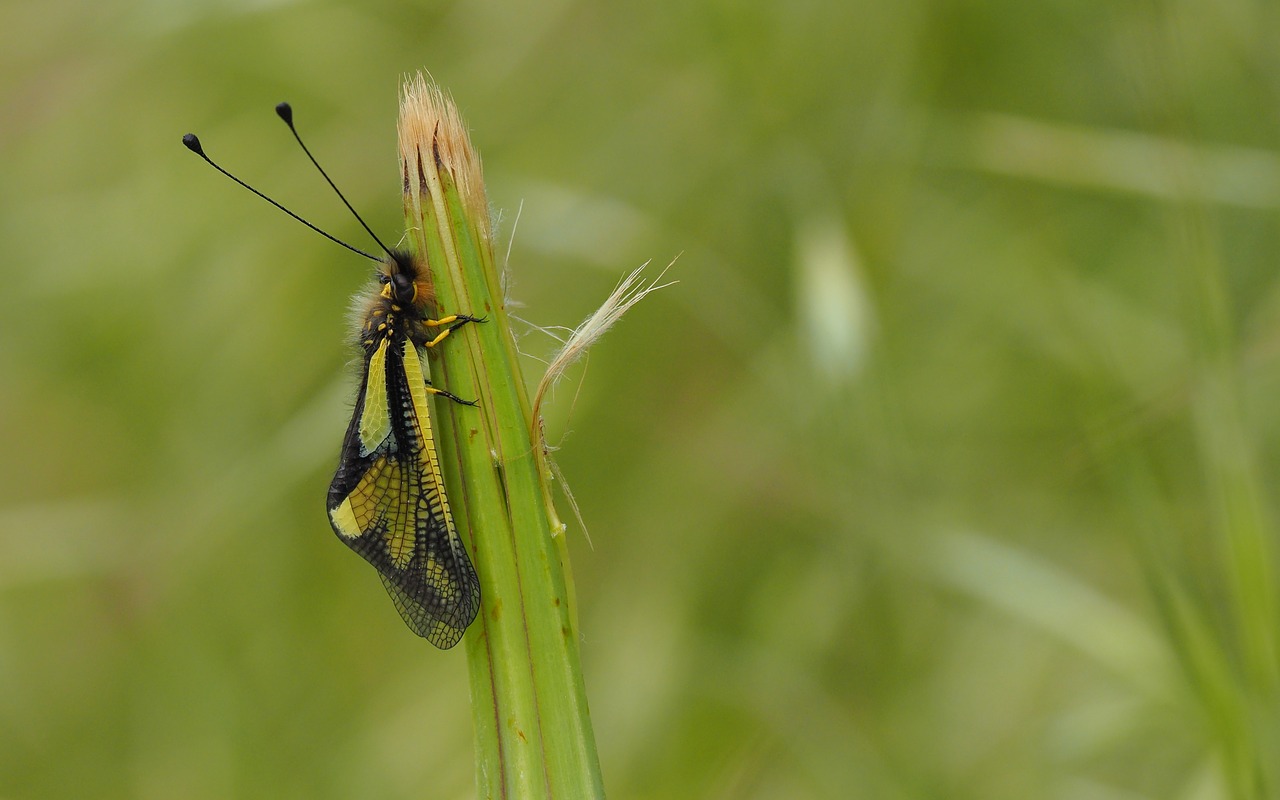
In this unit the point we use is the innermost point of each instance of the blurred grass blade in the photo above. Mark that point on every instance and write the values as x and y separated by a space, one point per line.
1056 602
1120 161
533 732
835 313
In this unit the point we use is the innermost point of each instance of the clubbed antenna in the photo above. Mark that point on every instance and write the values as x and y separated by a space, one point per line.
285 111
192 143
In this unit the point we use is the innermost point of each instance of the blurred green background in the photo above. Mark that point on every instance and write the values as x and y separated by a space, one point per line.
942 473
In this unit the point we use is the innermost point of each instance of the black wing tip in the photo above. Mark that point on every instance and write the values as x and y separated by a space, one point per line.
446 633
440 633
443 626
444 642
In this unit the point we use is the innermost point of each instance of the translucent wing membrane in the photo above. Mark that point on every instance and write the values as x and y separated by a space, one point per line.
386 502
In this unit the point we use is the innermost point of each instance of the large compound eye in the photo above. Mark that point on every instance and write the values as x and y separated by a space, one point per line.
402 288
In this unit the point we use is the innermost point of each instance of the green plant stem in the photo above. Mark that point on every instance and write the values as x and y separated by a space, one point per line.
532 727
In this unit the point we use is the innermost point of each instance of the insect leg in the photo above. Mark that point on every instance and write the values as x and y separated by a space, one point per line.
436 323
454 321
433 390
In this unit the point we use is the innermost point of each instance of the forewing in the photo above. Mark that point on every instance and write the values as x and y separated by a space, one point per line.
387 503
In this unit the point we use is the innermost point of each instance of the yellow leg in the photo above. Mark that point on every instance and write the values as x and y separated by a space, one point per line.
433 390
454 321
439 338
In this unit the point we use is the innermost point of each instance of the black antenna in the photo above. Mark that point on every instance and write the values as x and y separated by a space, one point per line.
285 111
193 144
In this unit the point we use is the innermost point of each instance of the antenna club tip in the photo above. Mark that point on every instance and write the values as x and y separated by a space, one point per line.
193 143
285 112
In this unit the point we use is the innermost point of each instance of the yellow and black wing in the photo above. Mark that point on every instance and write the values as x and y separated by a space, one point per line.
387 500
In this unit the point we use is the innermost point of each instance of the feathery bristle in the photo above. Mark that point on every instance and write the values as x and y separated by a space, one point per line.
431 129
